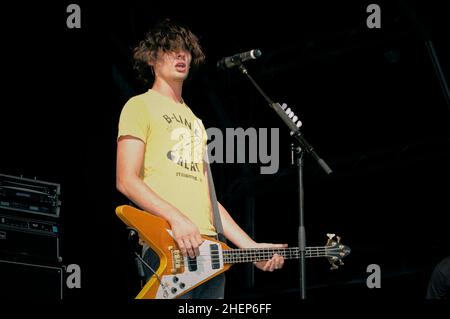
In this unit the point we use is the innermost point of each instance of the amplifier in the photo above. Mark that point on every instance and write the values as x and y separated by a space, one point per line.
29 240
30 281
29 196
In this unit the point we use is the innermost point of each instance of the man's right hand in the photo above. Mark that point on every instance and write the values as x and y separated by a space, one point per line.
187 235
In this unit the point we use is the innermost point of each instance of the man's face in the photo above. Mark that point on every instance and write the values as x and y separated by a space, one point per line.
173 66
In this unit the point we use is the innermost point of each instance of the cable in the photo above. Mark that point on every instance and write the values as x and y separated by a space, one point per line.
150 268
132 233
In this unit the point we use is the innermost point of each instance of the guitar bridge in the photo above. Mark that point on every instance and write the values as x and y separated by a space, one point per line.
177 260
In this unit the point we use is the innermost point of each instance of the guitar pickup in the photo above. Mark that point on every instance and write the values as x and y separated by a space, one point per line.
215 258
192 263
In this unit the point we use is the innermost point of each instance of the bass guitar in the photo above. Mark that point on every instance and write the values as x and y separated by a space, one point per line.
177 274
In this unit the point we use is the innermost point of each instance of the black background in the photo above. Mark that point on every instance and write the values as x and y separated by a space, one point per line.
369 100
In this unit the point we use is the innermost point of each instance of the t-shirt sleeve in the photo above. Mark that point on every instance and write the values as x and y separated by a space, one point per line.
134 120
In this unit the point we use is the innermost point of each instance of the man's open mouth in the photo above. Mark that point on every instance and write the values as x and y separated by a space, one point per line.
181 67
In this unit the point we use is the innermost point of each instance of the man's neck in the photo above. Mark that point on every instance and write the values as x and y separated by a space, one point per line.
172 90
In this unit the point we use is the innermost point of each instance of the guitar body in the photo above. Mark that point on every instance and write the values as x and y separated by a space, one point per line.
176 275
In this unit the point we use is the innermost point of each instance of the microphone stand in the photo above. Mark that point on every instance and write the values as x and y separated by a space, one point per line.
304 147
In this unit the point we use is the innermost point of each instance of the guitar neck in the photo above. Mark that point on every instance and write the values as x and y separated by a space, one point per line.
232 256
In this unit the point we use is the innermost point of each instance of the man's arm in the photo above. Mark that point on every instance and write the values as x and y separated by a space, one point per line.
130 159
234 233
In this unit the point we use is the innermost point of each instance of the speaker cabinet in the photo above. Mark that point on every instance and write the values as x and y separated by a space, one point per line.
30 281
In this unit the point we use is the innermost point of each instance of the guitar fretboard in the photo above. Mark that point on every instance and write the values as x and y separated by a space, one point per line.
232 256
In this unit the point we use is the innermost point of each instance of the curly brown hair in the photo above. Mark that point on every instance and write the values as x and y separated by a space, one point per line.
165 36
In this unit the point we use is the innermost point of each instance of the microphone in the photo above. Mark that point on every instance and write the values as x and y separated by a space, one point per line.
237 59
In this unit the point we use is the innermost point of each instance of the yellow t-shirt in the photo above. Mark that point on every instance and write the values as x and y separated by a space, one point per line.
175 144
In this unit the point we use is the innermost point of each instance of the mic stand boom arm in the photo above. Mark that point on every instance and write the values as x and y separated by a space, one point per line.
295 131
304 147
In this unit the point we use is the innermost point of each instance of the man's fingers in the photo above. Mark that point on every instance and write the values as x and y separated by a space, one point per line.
281 263
182 247
194 245
269 266
186 247
196 242
196 248
278 261
189 248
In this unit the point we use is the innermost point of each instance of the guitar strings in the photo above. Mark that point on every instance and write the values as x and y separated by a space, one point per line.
232 256
310 250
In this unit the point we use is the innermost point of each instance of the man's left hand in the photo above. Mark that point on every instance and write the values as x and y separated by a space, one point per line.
276 262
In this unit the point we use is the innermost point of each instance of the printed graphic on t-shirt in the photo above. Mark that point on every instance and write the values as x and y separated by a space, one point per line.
188 150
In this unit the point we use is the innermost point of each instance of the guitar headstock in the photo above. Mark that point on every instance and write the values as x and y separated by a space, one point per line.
335 251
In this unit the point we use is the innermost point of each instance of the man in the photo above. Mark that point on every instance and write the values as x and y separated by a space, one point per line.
160 151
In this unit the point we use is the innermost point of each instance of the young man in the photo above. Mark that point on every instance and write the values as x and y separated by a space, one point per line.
161 147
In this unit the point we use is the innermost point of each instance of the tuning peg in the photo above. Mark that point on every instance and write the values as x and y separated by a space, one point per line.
330 236
299 124
284 106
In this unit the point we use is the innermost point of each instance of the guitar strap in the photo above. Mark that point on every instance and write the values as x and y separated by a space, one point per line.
215 205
